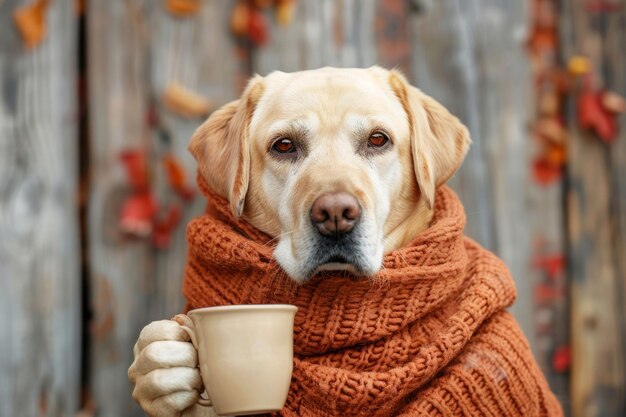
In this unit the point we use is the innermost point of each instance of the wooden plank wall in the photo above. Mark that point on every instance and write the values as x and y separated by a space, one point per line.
471 57
479 71
135 51
39 248
597 221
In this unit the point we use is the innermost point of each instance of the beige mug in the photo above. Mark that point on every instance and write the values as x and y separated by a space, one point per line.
245 354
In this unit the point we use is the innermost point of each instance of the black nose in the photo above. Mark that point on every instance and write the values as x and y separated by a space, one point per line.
335 214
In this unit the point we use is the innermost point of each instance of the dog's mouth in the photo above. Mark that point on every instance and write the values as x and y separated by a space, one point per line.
337 259
339 262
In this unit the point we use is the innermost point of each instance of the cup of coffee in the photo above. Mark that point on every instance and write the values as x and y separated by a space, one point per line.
246 356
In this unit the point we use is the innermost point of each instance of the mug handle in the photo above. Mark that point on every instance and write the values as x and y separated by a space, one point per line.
187 325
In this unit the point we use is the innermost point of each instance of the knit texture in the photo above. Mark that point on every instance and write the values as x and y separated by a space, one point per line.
428 336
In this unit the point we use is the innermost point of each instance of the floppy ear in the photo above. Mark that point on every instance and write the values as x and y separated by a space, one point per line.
439 141
222 149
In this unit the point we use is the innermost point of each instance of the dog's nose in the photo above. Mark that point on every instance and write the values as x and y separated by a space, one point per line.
335 214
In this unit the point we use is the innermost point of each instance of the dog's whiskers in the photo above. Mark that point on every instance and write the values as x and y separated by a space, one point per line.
269 242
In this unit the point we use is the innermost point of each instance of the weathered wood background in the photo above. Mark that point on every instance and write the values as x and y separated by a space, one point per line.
597 223
39 248
469 55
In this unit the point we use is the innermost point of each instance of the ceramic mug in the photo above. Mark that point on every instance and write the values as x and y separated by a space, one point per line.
245 354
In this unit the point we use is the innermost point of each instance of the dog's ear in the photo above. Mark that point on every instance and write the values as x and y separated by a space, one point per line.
221 146
439 141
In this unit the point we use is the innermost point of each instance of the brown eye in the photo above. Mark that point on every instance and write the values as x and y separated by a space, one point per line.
284 145
377 140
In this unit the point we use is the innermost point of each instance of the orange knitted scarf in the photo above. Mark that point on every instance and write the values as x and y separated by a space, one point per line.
428 336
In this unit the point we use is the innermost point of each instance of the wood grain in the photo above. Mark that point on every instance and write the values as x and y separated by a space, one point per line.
136 49
323 33
596 226
469 56
39 256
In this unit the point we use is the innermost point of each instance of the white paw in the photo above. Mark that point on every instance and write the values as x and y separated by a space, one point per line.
165 372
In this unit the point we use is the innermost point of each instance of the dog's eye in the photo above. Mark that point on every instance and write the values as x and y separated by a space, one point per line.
284 145
377 140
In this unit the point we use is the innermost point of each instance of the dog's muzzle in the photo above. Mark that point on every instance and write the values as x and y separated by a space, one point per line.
336 217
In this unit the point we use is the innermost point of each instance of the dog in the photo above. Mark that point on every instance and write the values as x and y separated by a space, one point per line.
339 166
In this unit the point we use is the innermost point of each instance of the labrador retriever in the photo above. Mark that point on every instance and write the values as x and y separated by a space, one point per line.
340 166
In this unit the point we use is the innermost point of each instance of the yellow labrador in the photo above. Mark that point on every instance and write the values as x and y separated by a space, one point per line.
339 165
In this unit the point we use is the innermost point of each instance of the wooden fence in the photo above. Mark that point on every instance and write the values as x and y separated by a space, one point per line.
39 247
469 55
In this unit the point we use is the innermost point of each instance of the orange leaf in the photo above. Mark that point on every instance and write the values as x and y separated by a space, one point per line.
545 172
579 65
285 11
542 40
613 102
175 172
239 19
182 8
31 22
177 177
556 156
185 102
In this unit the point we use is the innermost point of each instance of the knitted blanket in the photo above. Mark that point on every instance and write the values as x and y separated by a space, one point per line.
428 336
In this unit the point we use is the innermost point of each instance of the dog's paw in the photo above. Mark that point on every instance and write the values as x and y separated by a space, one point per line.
165 372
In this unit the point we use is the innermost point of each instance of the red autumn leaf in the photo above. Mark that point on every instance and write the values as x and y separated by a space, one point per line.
594 117
562 359
186 192
163 229
553 265
258 28
545 172
137 213
542 39
136 168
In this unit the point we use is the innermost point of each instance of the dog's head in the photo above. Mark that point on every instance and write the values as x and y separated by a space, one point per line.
339 165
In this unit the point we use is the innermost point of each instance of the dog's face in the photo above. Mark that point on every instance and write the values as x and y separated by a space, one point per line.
339 165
